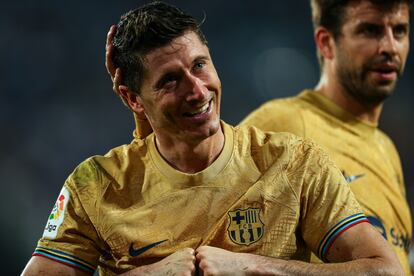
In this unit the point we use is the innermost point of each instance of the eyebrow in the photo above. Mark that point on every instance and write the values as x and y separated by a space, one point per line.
200 57
405 25
366 24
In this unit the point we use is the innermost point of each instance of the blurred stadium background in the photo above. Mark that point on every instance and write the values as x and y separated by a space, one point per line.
57 106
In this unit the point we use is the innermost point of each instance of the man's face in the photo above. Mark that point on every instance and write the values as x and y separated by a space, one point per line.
181 91
372 50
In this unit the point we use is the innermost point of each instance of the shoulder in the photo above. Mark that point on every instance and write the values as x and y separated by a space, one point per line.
387 142
267 147
278 115
97 172
120 158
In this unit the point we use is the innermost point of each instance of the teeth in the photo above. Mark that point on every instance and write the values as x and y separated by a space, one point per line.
200 110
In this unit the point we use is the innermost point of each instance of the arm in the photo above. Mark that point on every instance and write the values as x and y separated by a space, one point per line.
359 251
179 263
143 128
43 266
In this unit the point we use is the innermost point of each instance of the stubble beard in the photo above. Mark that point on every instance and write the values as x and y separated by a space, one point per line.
358 85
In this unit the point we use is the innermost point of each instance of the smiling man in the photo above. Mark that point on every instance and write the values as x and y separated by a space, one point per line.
363 47
198 194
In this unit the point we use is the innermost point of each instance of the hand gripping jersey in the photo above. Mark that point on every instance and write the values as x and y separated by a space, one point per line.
366 156
268 194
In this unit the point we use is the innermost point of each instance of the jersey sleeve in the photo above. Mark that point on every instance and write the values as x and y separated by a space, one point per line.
328 207
70 236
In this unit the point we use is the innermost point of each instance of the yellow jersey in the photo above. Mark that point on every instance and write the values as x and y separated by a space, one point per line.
366 156
272 194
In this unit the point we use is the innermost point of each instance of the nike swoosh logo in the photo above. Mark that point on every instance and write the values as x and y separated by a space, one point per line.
135 252
351 178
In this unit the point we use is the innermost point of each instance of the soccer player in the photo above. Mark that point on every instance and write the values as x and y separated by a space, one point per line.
198 193
362 48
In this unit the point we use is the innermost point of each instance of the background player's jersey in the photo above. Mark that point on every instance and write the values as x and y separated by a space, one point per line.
269 194
366 156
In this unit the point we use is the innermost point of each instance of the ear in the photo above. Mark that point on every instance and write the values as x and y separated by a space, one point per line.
324 42
133 100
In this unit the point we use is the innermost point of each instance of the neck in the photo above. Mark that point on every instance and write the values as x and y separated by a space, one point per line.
194 156
331 88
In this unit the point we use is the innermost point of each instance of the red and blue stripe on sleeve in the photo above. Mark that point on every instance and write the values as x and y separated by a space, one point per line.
64 258
336 231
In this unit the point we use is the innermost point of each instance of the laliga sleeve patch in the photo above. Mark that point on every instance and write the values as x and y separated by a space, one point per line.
57 215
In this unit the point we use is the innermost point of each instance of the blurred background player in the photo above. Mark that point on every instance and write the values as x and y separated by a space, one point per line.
362 49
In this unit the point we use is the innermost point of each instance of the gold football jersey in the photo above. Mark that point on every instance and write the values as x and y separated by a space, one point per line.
272 194
366 156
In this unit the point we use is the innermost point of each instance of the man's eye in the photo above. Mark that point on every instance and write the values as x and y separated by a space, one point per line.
167 82
400 31
199 65
371 30
169 79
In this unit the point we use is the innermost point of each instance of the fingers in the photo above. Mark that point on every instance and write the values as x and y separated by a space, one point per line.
183 262
110 35
199 250
116 80
187 252
109 51
204 249
115 73
190 254
202 258
183 256
217 261
192 264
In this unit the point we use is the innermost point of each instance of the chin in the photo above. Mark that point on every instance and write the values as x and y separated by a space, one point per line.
214 128
376 95
205 131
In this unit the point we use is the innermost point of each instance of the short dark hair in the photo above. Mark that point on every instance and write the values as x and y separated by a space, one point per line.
330 14
144 29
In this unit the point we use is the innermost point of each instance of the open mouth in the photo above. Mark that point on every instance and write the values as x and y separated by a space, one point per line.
200 110
386 73
385 70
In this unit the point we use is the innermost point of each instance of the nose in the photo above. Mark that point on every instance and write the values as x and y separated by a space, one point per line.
388 43
195 90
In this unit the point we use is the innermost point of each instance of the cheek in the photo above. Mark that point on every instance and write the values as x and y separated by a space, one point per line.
211 77
169 104
216 83
360 60
404 49
363 49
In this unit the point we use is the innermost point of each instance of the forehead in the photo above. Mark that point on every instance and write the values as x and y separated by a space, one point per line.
365 11
180 52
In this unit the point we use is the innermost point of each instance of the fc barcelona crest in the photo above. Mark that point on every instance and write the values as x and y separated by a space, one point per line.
245 226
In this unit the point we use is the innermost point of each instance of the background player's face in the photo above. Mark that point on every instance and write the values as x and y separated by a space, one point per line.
181 93
372 50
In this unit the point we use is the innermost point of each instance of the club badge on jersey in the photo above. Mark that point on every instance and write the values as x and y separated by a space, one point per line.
57 214
245 226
